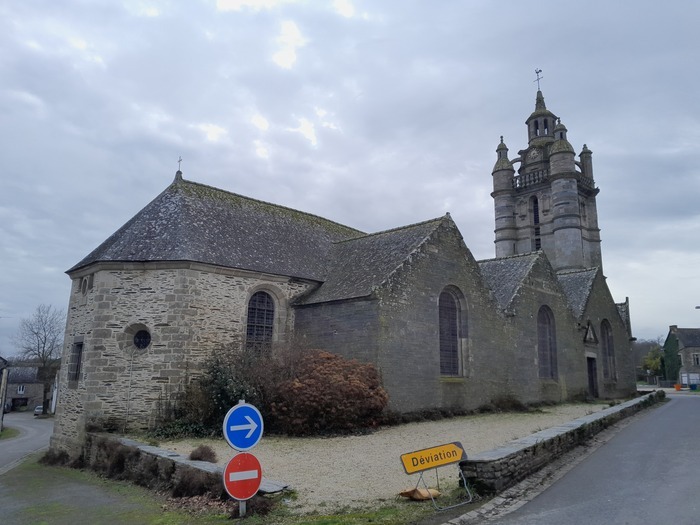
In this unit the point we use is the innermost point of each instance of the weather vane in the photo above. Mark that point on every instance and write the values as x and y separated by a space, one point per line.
179 161
537 72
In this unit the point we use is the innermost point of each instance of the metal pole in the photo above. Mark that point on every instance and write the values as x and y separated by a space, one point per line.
241 508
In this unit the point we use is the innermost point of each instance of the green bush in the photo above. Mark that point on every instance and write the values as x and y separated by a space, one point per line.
328 394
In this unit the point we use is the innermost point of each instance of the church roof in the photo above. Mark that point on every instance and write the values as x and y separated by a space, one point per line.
194 222
577 285
358 266
504 275
540 108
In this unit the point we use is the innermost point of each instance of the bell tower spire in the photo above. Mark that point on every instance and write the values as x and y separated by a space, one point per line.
549 204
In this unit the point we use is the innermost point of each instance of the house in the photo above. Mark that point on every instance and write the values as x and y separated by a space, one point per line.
25 390
200 267
682 355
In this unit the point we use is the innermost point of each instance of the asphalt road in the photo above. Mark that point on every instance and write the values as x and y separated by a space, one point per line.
648 473
35 433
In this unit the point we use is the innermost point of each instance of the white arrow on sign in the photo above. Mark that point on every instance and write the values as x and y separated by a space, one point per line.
250 427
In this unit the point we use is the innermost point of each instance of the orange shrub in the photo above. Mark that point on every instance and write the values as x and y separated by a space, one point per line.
328 393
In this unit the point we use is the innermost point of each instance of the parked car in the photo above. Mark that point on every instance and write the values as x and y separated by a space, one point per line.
38 410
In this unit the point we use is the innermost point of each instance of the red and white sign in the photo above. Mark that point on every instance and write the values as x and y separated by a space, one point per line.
242 476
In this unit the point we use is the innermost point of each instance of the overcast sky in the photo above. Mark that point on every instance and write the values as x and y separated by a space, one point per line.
374 114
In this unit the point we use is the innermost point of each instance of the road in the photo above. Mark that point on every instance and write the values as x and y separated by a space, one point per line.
648 473
35 433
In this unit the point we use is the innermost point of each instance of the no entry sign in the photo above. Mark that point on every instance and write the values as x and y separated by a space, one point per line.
242 476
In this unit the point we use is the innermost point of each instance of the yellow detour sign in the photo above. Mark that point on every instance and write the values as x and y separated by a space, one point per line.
433 457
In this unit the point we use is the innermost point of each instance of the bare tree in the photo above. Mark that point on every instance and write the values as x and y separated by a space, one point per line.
39 340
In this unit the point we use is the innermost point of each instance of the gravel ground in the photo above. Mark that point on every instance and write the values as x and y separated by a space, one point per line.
362 471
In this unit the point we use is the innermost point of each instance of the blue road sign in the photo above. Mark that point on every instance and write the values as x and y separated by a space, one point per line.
243 427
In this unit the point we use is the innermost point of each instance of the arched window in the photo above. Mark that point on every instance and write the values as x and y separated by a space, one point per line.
546 127
537 129
537 237
546 344
608 347
449 320
261 320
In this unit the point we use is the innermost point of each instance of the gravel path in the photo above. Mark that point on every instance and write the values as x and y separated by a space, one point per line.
360 471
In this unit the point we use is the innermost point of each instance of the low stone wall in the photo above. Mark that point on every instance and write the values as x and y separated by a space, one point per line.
157 468
151 467
495 470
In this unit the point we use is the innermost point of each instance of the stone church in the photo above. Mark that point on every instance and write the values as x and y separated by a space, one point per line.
200 267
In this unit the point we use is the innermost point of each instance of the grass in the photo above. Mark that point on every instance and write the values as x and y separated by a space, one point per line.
50 495
34 493
395 512
8 432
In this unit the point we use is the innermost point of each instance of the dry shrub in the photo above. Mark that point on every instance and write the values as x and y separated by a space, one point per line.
257 505
328 394
55 457
193 482
203 453
509 404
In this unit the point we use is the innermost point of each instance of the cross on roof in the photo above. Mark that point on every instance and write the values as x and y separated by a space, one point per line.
537 72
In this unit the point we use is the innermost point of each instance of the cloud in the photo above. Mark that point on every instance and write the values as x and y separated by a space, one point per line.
261 150
307 130
399 113
289 40
344 7
254 5
213 132
260 122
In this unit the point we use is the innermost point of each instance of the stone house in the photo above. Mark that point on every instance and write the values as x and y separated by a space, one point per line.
200 267
682 349
24 388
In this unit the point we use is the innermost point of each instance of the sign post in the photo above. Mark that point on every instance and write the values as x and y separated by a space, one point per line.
434 457
243 429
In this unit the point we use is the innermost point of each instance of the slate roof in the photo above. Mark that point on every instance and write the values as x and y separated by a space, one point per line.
194 222
22 374
690 337
357 266
504 275
577 285
624 310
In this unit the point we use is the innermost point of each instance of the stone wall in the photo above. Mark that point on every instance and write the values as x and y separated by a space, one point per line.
495 470
409 356
189 310
541 288
346 328
600 306
397 329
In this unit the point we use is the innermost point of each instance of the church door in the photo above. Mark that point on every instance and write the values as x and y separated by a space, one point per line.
592 377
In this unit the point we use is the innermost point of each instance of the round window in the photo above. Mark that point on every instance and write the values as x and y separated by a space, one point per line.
142 339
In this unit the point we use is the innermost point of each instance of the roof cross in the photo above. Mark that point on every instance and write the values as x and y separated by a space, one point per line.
179 161
537 72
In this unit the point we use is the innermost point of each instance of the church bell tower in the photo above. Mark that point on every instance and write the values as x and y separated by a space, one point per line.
550 203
